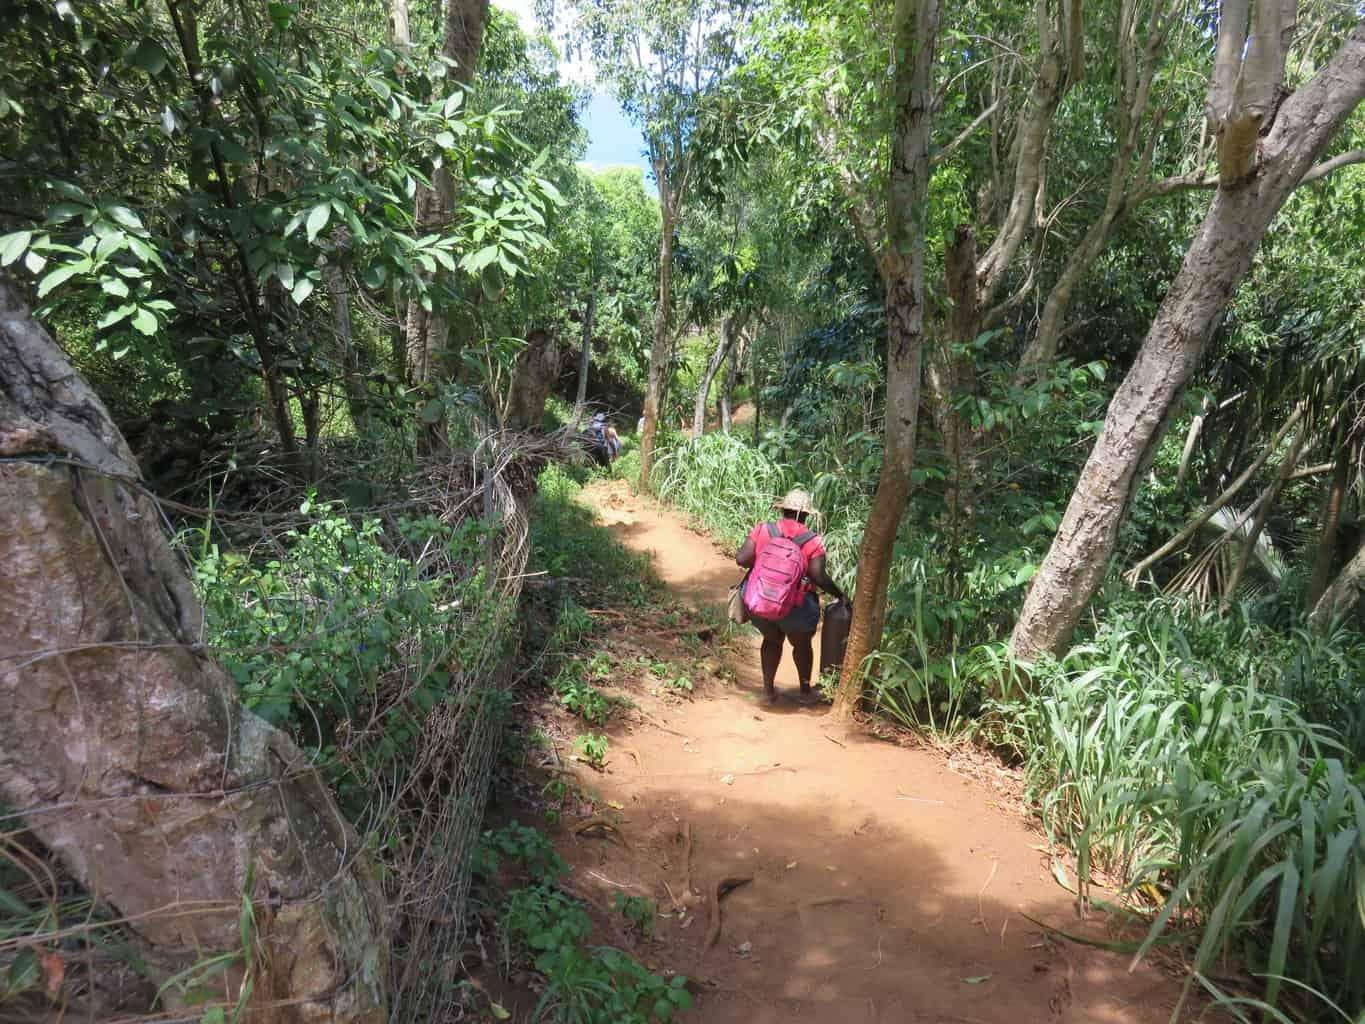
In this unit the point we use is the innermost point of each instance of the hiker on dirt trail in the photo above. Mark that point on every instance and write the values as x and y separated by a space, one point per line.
786 561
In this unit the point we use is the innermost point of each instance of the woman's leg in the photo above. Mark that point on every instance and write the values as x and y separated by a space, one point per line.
770 655
804 656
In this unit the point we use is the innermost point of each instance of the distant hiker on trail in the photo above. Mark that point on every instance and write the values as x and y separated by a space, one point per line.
786 561
603 441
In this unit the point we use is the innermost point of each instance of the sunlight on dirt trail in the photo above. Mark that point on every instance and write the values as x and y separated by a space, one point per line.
886 886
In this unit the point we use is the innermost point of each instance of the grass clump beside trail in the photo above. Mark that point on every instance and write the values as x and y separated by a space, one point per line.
1208 796
1209 765
546 928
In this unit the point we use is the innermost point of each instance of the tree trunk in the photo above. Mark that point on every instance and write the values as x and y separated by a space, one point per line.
1291 462
1133 90
658 349
1059 67
755 389
902 263
585 354
533 378
124 747
951 376
1217 260
1342 596
723 345
352 373
727 389
1331 522
426 333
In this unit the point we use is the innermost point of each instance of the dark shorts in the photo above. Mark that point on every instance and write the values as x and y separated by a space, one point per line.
802 620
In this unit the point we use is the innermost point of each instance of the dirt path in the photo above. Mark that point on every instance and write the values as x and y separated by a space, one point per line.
885 886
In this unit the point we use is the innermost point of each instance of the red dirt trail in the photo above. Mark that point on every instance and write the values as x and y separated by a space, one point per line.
886 886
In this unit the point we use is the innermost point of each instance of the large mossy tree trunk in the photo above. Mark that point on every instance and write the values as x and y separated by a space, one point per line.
123 745
902 267
1265 151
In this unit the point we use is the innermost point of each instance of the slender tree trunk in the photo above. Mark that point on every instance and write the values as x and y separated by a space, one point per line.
658 349
585 353
915 40
755 388
1291 462
1331 522
1217 259
1342 596
1060 65
727 390
124 747
723 345
426 333
352 373
951 376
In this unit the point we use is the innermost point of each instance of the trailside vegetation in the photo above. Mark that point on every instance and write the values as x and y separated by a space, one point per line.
1055 309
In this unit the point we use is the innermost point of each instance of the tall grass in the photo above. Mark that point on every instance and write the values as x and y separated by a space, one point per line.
1213 792
727 485
721 482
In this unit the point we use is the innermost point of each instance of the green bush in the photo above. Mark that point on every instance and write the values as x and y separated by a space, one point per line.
1194 776
339 629
584 984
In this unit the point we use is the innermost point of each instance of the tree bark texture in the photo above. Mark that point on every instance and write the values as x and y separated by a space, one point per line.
425 332
659 346
585 352
1218 258
914 44
123 746
533 378
1060 65
1331 523
1342 596
951 375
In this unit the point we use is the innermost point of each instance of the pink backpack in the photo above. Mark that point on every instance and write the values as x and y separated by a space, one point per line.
774 584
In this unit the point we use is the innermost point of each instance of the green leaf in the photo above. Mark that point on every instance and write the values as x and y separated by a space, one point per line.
12 246
145 322
432 410
113 286
213 1015
149 56
23 971
64 212
126 217
477 261
285 272
317 219
35 262
301 290
115 315
445 140
12 903
58 277
498 1012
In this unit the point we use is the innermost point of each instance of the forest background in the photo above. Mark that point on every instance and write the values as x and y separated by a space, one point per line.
1057 311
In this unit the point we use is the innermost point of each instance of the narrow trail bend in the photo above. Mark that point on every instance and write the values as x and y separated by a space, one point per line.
885 885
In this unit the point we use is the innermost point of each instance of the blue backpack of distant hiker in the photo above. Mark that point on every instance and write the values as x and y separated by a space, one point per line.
774 585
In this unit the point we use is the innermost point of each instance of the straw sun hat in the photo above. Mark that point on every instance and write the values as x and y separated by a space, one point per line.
796 500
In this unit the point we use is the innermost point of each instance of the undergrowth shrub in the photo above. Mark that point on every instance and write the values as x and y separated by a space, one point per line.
1187 775
340 639
584 984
